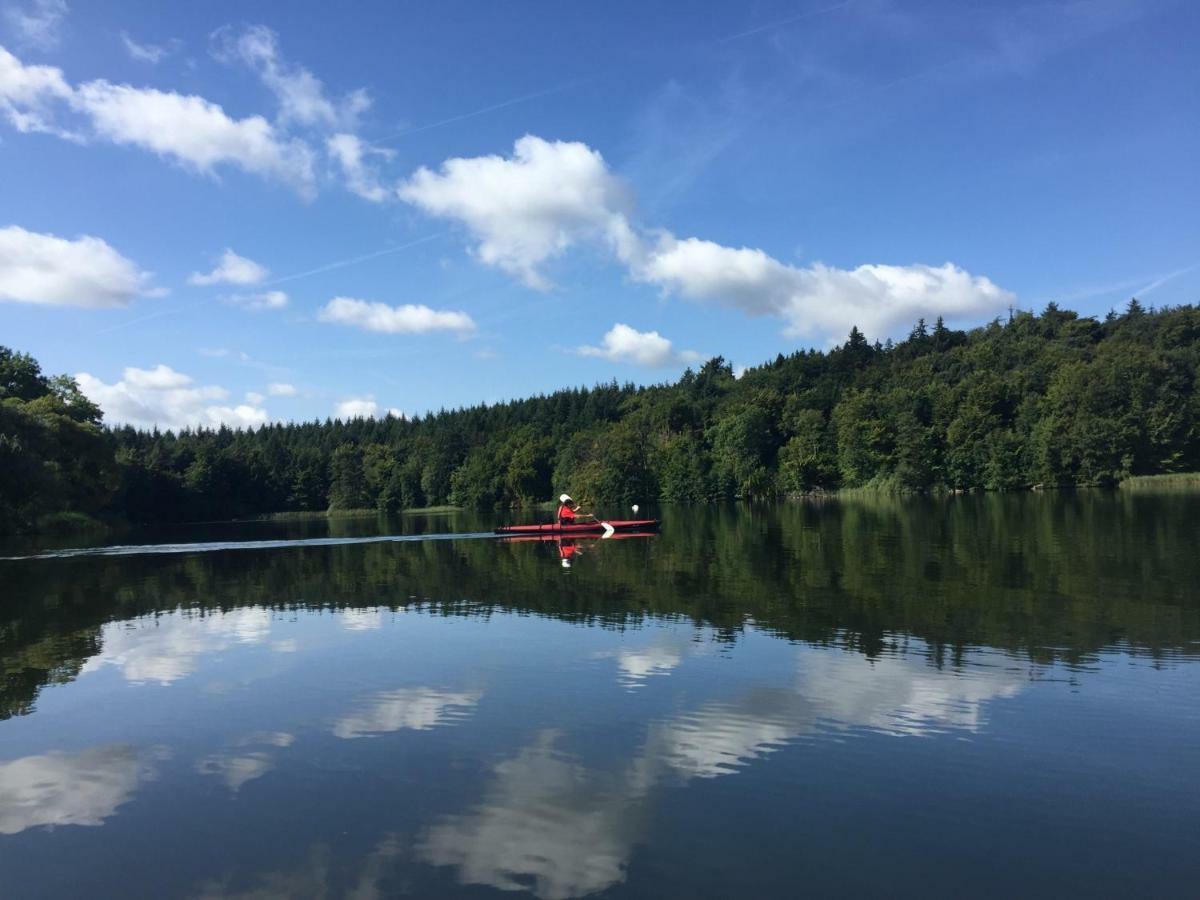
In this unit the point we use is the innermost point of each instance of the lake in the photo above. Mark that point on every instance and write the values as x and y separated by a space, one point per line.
983 695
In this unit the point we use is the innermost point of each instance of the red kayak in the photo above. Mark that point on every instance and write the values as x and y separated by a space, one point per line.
552 528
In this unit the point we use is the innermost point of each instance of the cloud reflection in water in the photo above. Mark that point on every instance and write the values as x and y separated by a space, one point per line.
56 788
559 829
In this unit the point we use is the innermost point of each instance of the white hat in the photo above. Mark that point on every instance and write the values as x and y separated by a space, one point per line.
563 498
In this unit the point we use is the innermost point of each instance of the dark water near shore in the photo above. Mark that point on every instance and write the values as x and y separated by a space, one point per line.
993 696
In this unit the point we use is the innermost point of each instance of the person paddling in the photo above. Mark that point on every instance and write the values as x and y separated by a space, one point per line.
567 510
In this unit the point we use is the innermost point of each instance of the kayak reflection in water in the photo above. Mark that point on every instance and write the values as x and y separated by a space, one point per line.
567 551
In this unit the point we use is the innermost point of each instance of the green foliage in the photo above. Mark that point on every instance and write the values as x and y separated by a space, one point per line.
1051 399
54 457
347 479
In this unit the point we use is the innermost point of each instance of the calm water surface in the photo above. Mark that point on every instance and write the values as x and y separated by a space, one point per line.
989 696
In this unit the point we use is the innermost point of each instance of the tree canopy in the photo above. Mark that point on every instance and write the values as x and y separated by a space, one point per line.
1051 399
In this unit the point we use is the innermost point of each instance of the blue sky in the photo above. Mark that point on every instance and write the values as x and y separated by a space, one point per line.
232 213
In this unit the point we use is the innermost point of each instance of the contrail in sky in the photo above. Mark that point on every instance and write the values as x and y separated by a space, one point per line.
154 315
788 21
524 98
1163 279
342 263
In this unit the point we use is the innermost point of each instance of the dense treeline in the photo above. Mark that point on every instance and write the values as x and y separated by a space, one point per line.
1051 399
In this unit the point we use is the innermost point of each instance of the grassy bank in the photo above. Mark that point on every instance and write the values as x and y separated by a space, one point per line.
1175 481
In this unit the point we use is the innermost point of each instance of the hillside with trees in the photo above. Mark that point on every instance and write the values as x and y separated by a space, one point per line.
1054 399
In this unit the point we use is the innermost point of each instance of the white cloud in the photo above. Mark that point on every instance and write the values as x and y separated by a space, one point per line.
281 389
43 268
194 132
396 413
644 348
39 23
350 153
231 269
57 788
408 318
190 130
550 196
528 208
301 95
163 398
419 709
357 408
160 378
259 302
254 398
148 53
29 93
817 299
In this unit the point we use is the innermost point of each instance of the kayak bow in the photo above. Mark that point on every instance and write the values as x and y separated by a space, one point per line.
553 528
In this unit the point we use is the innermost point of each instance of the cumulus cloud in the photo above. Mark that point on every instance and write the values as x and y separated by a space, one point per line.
281 389
38 24
524 210
364 408
163 398
28 95
351 153
194 132
54 271
818 299
408 318
528 208
301 95
259 302
231 269
57 788
419 709
358 408
644 348
186 129
148 53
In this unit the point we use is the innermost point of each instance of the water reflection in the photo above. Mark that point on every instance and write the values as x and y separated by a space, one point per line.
419 709
637 664
57 788
236 768
317 877
361 619
547 825
164 649
663 707
553 826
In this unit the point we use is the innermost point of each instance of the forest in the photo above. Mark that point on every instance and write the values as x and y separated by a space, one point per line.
1033 400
